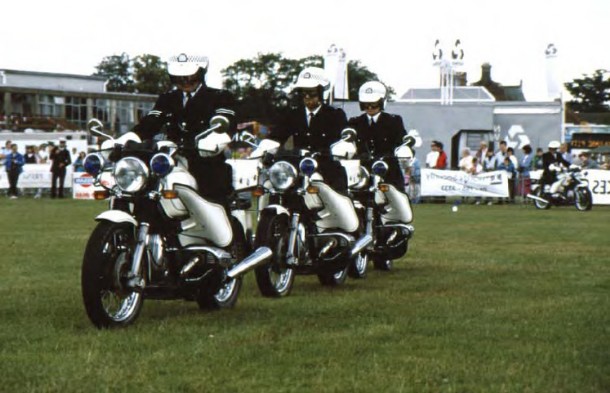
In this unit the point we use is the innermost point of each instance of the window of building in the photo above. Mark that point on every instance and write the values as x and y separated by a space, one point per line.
50 106
76 111
101 111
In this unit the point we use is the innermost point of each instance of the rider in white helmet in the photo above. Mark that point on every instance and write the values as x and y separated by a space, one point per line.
315 125
379 132
192 103
551 157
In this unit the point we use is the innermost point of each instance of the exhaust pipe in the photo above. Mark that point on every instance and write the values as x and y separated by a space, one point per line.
253 260
362 243
537 198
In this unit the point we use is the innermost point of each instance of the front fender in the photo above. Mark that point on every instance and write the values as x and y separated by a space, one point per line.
278 209
117 216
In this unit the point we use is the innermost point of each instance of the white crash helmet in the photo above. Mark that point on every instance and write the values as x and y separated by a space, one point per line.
313 77
184 65
371 92
554 145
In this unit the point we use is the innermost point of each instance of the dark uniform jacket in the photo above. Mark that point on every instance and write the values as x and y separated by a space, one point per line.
549 158
380 140
60 156
213 175
324 130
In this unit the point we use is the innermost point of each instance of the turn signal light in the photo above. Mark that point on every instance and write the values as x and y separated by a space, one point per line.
258 192
101 195
384 187
169 194
313 190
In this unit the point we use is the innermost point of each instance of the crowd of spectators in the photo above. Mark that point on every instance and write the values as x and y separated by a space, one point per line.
12 161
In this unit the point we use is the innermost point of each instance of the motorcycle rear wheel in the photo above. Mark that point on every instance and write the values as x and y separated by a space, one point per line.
274 279
329 279
582 199
358 268
108 301
226 296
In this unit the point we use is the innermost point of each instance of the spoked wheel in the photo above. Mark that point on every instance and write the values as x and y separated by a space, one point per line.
274 279
107 261
381 262
329 279
358 267
226 296
582 199
538 203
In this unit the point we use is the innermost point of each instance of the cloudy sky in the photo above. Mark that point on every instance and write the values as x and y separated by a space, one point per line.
393 38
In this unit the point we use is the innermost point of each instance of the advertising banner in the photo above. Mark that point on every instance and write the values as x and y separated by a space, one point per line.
458 183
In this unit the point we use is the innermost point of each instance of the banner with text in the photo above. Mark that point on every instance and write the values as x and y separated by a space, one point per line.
436 182
599 184
35 176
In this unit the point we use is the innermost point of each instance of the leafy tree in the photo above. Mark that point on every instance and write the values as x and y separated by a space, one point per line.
591 93
150 74
263 84
117 68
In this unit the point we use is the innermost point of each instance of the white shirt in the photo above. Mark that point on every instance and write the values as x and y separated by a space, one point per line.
431 159
309 113
374 118
185 98
466 163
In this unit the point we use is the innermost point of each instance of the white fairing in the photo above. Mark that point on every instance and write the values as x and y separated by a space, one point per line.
213 144
338 210
245 173
107 146
398 207
174 208
266 146
352 168
212 221
343 149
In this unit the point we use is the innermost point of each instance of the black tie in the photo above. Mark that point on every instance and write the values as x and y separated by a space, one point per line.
187 99
309 119
372 122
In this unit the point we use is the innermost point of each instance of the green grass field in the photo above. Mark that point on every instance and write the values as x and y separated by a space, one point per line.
489 299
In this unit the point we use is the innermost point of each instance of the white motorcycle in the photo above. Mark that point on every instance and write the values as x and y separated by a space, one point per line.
570 188
311 228
160 239
387 213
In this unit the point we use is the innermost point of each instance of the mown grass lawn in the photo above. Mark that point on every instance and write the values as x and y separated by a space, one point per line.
489 299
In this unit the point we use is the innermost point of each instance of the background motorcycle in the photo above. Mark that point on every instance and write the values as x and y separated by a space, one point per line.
573 189
310 227
160 239
387 213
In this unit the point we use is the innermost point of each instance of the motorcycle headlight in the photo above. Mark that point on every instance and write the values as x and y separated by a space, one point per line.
130 174
282 175
308 166
363 178
93 163
161 164
380 168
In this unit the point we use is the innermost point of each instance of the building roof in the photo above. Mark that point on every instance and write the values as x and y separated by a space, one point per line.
460 94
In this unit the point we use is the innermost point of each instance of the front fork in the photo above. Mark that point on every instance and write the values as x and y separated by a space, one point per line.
369 226
135 278
291 258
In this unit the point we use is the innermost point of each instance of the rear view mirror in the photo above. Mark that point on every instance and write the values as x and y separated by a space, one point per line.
95 127
219 123
349 135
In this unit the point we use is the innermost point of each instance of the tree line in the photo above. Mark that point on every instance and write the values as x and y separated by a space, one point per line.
262 84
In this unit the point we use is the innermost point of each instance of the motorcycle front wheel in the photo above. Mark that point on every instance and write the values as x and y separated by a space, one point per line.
538 203
274 279
108 301
582 199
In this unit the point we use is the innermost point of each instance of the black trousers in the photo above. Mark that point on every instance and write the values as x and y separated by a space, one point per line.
13 178
60 176
334 174
214 179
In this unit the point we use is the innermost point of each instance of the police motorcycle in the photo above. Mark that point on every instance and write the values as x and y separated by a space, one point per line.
159 239
385 211
310 228
570 188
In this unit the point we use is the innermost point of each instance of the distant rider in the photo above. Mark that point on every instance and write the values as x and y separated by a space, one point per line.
552 157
